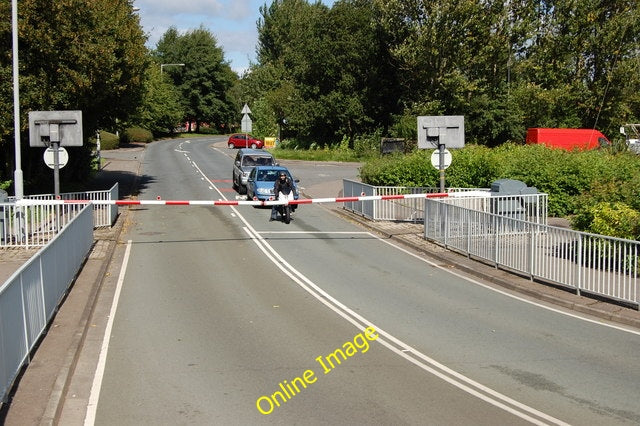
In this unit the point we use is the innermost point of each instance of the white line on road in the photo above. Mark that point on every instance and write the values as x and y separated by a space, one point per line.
92 407
402 349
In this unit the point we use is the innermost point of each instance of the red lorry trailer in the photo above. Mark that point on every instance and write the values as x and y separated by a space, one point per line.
568 139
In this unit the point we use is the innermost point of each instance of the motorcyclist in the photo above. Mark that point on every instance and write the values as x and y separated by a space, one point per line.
283 184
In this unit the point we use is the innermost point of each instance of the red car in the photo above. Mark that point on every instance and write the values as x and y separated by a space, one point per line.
240 140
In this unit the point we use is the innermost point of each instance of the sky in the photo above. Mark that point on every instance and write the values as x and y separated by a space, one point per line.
232 22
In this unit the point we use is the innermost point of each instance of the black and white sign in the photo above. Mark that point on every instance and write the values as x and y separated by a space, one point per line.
63 157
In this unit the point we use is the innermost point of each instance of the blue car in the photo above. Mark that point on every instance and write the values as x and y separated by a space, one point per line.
261 181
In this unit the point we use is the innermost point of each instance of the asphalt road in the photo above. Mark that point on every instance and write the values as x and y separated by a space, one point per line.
222 317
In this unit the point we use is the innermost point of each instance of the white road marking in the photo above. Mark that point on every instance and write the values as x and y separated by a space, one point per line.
402 349
94 396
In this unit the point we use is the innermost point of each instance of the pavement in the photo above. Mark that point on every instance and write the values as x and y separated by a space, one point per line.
42 387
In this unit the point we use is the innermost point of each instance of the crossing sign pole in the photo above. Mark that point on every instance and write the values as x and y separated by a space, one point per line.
246 124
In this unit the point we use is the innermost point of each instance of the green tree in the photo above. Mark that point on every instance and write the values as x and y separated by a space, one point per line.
87 55
161 110
583 62
206 78
334 76
507 66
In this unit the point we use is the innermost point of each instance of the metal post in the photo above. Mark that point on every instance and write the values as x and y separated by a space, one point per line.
56 168
17 177
441 148
98 149
56 180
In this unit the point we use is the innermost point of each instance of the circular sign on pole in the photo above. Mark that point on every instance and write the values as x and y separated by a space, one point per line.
63 157
435 159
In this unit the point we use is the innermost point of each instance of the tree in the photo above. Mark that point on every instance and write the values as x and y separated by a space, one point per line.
507 66
586 52
74 54
206 78
161 110
335 76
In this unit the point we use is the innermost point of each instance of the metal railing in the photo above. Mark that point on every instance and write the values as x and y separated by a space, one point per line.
532 207
595 264
30 297
35 225
529 207
104 214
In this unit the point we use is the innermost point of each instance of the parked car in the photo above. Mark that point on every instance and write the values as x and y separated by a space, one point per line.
246 159
241 140
261 181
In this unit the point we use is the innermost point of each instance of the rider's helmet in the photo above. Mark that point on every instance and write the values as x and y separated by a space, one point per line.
283 175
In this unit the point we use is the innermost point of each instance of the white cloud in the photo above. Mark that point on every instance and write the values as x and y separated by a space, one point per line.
232 22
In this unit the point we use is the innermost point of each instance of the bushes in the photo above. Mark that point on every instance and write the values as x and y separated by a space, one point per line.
111 141
136 134
398 170
613 219
578 183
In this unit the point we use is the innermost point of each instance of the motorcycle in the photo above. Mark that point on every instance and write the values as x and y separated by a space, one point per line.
286 209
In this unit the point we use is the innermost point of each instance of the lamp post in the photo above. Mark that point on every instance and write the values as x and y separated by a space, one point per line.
166 65
17 176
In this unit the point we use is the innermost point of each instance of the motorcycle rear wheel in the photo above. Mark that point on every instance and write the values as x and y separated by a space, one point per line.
286 216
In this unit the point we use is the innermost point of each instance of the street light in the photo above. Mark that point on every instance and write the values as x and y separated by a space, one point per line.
166 65
17 176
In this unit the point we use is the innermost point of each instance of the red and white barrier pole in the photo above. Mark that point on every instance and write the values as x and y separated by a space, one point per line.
160 202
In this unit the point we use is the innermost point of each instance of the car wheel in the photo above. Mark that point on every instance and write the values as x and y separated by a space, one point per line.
231 146
254 146
235 185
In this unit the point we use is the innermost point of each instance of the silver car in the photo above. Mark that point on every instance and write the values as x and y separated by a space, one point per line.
246 159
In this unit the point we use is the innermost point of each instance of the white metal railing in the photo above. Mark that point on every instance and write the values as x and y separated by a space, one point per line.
533 207
35 225
596 264
104 214
529 207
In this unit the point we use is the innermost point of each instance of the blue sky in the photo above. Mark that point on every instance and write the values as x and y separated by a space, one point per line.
232 22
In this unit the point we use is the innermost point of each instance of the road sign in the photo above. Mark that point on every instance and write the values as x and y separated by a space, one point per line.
63 157
246 124
245 109
447 130
49 127
435 159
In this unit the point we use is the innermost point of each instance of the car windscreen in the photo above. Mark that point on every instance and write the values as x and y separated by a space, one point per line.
256 160
268 175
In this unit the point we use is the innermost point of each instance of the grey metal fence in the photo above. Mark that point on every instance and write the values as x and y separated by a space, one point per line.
30 297
599 265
